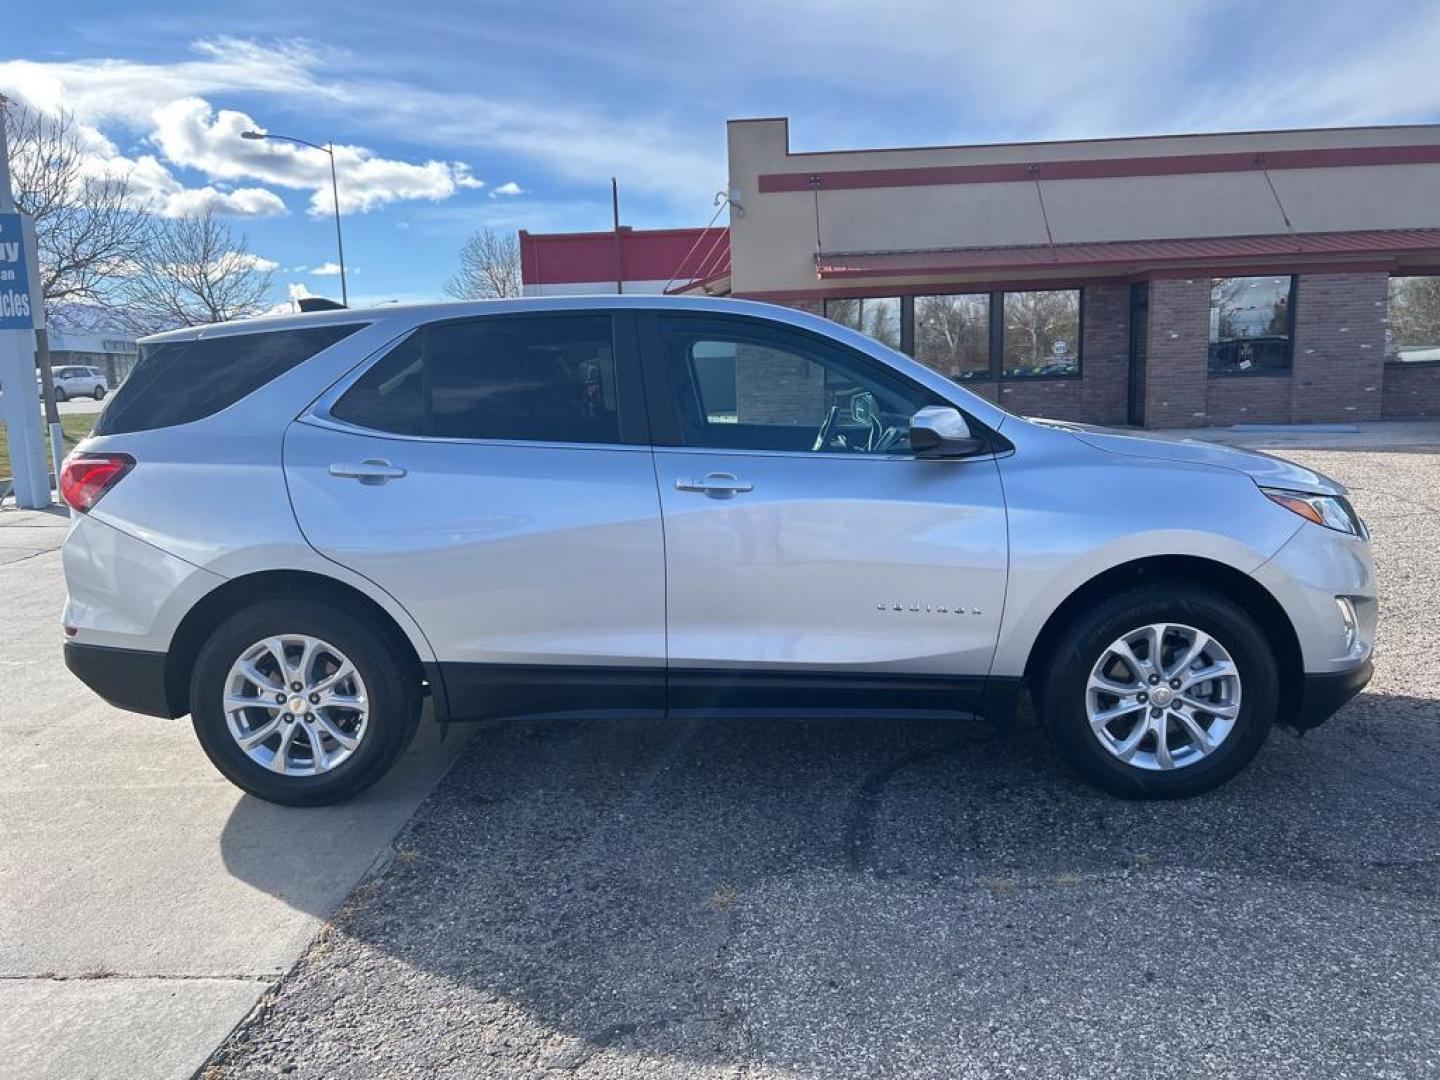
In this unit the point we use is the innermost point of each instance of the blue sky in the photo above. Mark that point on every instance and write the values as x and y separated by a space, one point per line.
451 116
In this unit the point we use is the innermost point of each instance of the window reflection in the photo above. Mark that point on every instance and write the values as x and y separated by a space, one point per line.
875 316
952 334
1412 330
1249 325
1042 333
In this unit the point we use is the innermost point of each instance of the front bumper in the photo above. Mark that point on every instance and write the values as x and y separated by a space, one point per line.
129 679
1322 695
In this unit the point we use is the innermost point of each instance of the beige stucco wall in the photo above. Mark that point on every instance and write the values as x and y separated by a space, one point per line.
773 242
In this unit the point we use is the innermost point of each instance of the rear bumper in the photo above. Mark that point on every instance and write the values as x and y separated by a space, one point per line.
130 679
1322 695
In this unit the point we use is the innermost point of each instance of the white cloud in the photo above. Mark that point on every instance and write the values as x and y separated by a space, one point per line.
190 133
294 291
242 202
233 261
575 142
130 91
153 184
508 188
326 269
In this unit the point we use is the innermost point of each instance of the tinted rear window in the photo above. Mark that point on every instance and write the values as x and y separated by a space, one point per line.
177 382
546 379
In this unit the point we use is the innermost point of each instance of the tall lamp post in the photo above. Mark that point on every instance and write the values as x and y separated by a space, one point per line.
328 148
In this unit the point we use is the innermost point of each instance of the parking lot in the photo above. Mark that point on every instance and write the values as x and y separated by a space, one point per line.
911 898
725 899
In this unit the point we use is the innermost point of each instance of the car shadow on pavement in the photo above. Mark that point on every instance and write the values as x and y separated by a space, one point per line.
311 858
880 897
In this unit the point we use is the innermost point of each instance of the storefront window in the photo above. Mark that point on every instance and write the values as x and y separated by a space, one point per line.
875 316
1250 325
1412 332
952 334
1042 333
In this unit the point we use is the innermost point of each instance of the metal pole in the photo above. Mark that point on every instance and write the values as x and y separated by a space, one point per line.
615 213
17 362
52 410
42 334
339 242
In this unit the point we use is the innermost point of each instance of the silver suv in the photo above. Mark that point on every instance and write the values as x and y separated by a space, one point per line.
297 529
78 380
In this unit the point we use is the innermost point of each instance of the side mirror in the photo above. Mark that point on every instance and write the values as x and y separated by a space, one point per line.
940 431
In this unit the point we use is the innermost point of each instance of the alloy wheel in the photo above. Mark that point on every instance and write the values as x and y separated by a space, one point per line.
296 705
1163 696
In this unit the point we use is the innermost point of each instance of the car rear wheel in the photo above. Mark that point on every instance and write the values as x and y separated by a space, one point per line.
301 703
1164 691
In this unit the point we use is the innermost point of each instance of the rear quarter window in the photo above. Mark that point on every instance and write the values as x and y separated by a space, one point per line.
178 382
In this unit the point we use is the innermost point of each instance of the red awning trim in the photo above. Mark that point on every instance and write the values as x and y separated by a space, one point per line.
645 255
1100 168
1132 254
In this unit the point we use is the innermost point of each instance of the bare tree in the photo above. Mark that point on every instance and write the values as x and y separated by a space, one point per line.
194 270
88 226
489 267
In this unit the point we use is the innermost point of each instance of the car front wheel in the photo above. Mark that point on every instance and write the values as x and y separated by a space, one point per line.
1164 691
99 393
302 703
60 394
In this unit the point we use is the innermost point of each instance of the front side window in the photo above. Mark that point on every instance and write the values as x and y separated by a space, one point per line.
1250 319
541 379
744 388
874 316
952 334
1412 329
1042 333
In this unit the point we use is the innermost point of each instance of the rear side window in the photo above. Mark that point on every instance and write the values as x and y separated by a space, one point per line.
177 382
548 379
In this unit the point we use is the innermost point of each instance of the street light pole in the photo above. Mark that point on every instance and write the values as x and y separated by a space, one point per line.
339 242
328 148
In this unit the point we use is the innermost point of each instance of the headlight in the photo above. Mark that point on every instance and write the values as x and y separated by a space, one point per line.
1331 511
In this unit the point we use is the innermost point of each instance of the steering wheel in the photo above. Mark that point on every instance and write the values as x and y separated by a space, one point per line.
888 438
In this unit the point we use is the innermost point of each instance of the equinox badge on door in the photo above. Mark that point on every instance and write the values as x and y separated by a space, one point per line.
928 609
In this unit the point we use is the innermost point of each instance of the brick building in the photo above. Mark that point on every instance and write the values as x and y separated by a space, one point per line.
1258 277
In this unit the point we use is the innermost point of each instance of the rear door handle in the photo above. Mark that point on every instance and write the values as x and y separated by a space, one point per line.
369 471
718 485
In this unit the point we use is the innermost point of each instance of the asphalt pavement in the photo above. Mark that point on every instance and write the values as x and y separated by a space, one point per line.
905 898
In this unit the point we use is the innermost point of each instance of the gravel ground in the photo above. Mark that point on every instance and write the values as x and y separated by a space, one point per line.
842 899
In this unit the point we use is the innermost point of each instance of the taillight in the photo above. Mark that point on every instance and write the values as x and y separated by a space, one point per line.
85 477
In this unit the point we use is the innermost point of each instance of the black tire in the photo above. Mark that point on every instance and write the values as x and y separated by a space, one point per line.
60 394
392 687
1060 688
99 393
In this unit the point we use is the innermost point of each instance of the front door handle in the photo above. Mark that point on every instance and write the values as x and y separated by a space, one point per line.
369 471
717 485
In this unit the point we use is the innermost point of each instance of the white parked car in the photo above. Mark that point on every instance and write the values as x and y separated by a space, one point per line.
78 380
295 529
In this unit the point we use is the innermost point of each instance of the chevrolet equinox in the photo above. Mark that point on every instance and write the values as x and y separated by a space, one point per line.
296 529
